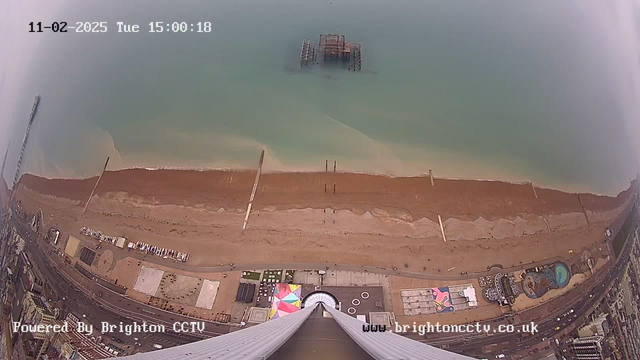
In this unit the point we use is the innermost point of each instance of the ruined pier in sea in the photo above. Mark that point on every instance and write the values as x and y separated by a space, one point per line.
331 48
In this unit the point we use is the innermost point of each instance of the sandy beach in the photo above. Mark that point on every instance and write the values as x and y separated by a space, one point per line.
370 220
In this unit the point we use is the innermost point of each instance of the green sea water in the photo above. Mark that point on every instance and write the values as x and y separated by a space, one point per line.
515 91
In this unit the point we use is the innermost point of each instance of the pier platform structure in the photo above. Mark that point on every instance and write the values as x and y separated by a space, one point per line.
332 48
32 116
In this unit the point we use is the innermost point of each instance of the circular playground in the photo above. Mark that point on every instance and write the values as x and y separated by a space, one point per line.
180 288
105 261
537 283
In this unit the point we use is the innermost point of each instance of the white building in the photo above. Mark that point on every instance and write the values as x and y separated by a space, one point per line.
596 327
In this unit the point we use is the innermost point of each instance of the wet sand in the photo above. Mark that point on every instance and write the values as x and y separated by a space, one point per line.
404 197
378 220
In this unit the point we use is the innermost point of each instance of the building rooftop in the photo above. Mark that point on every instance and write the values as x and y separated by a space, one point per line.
86 346
40 304
354 300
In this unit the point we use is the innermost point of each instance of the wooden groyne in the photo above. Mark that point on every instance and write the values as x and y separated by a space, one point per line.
86 205
253 191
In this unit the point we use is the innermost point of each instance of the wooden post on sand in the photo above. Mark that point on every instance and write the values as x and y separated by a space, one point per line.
442 229
95 186
253 191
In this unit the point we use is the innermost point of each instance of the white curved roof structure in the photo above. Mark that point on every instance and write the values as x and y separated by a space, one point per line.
320 297
262 341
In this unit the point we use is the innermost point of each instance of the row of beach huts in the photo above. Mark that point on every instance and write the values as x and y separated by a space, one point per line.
122 242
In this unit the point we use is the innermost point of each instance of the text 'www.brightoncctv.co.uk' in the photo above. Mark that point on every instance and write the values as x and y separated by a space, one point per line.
428 327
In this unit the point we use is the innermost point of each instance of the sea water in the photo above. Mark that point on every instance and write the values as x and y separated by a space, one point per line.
536 91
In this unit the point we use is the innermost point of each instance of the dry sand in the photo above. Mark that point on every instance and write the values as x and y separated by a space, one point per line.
378 220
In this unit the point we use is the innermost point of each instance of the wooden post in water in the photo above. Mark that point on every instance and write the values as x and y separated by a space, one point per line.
334 188
326 165
96 185
334 165
534 190
431 176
